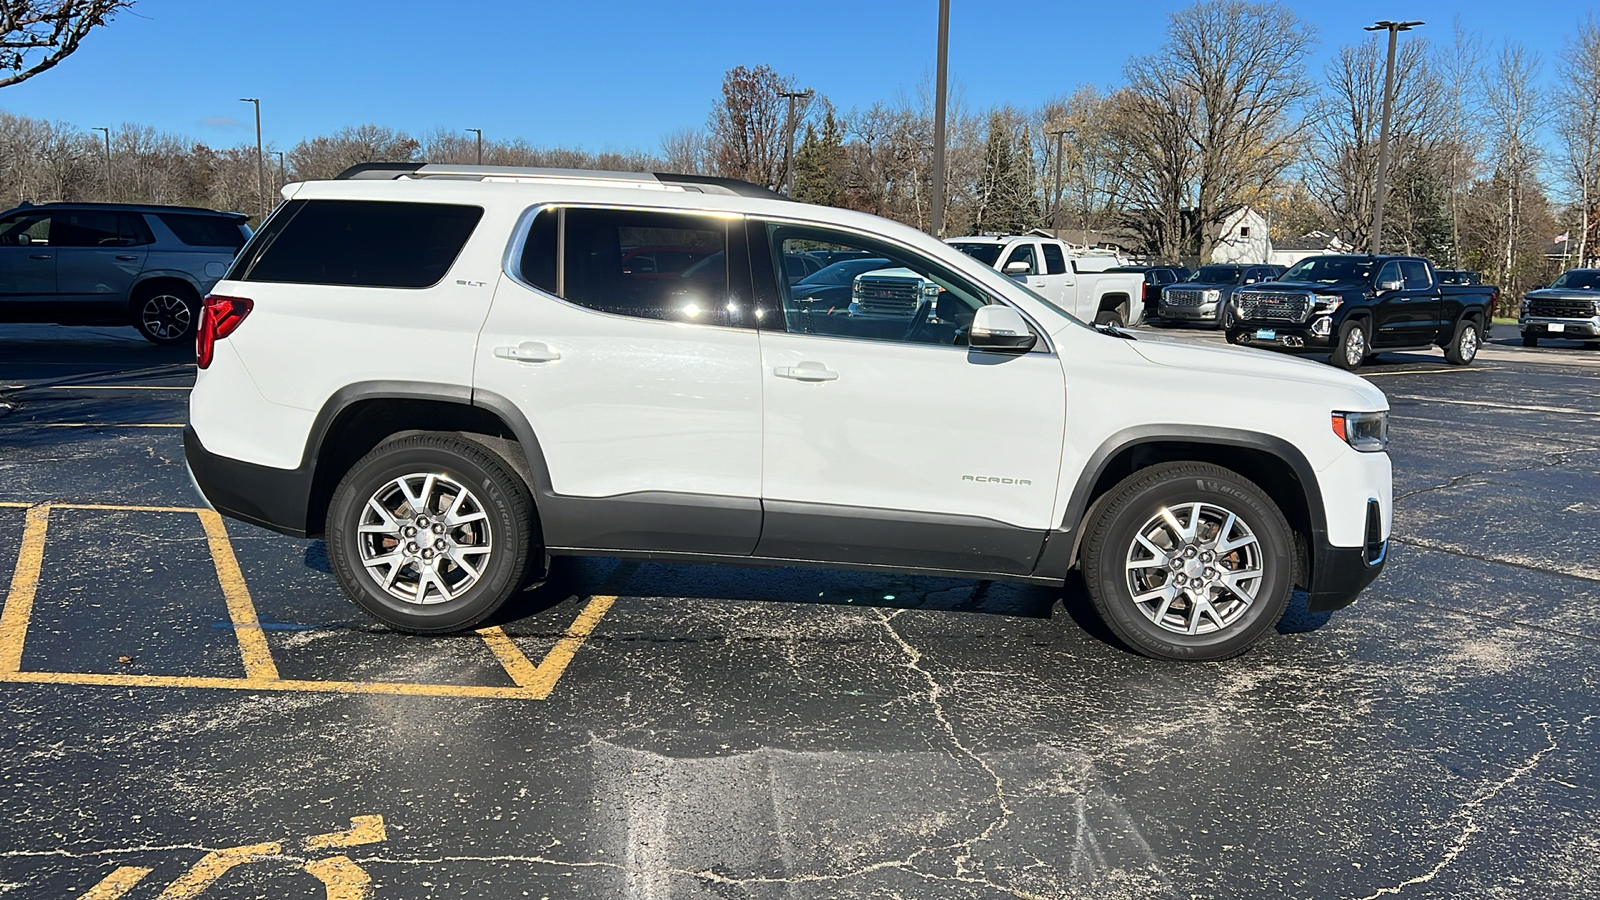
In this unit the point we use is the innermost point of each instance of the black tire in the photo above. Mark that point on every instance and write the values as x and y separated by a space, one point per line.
1133 506
1236 338
1347 355
1530 340
512 538
1464 344
166 314
1112 317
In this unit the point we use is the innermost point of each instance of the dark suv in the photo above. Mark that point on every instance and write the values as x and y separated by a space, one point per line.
1202 298
115 264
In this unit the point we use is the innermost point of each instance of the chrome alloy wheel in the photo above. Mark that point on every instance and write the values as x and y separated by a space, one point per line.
1194 568
1469 343
1355 347
424 538
165 316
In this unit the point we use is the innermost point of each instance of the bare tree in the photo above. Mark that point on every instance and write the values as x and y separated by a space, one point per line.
1578 126
685 151
326 157
748 125
1513 115
1460 75
1092 185
1344 138
1155 162
35 35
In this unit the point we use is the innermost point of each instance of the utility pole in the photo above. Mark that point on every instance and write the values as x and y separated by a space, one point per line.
261 165
1055 218
1381 192
283 171
940 95
788 154
479 133
107 133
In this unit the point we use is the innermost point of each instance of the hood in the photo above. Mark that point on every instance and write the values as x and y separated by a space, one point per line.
1312 286
1202 286
1249 363
1562 294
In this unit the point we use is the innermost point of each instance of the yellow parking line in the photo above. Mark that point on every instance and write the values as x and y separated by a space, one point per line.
555 662
213 866
397 688
522 671
117 883
258 662
24 583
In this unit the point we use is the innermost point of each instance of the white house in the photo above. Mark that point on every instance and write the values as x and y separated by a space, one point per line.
1243 238
1292 250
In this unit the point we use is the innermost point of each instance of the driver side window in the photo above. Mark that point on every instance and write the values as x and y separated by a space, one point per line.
1024 254
25 229
1391 272
867 290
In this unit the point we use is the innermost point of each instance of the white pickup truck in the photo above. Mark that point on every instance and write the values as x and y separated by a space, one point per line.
1080 285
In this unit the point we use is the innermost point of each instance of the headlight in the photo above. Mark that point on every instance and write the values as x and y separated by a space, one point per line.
1211 296
1328 304
1365 431
930 289
1522 306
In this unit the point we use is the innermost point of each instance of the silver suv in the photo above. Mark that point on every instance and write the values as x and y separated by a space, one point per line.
115 264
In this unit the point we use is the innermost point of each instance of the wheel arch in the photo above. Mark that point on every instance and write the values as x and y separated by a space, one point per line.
1271 462
157 281
359 417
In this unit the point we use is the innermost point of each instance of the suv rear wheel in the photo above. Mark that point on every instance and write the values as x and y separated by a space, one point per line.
166 314
1188 561
431 533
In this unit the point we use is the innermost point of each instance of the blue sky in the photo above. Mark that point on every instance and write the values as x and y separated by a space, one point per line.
621 75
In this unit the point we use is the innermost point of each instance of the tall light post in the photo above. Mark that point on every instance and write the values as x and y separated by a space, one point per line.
261 165
107 133
479 133
1055 217
1381 192
283 171
940 95
788 153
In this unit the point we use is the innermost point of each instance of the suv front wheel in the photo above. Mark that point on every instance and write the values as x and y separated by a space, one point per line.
1188 561
431 533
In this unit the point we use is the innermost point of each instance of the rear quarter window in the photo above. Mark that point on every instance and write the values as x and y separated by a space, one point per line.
362 243
204 231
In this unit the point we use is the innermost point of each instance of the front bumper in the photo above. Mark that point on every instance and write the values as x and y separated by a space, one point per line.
1539 326
261 495
1205 312
1316 334
1340 574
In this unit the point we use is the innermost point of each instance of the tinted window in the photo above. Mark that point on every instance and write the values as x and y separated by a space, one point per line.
25 228
597 241
889 295
1330 270
204 231
1055 261
1024 254
1579 280
1415 273
1217 275
1165 276
97 228
1390 272
364 243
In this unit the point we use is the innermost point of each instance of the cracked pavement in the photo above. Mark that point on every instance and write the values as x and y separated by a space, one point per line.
797 733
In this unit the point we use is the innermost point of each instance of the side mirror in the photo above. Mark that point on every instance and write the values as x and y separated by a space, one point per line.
24 239
1391 285
1000 328
1017 267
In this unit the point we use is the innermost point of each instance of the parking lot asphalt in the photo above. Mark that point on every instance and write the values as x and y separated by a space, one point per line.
193 710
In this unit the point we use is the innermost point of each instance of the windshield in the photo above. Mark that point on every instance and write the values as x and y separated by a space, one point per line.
1218 275
1330 270
1579 280
984 253
844 272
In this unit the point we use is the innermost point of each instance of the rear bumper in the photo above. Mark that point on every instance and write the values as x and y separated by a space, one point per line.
261 495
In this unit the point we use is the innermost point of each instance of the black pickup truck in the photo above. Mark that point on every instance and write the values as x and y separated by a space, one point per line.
1355 307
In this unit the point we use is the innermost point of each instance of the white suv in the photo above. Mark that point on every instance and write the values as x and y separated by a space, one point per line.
449 374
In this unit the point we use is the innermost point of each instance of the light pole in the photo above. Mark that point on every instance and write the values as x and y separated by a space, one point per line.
107 133
261 165
283 171
479 133
941 78
1055 217
788 153
1381 192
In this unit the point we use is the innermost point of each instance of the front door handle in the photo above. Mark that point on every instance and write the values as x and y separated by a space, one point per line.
806 371
1038 284
127 259
40 256
528 352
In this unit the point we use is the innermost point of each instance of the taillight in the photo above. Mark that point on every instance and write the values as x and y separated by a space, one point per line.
220 318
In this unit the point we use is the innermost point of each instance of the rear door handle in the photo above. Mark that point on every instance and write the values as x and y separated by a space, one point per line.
128 258
806 371
528 352
40 256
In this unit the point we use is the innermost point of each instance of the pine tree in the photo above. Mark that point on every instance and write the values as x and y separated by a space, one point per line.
820 164
1007 202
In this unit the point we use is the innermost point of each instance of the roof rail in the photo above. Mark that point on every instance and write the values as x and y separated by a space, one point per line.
705 184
